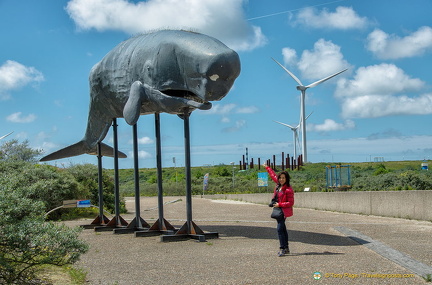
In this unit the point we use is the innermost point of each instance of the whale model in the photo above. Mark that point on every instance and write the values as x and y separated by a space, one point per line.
168 71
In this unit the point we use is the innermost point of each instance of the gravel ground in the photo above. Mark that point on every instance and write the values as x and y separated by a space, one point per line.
246 250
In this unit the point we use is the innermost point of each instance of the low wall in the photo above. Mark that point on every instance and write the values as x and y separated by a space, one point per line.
411 204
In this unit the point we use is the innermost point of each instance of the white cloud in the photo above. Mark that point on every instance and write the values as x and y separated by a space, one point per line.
344 18
238 125
145 140
42 136
14 75
225 120
228 109
247 110
223 19
325 59
382 79
141 154
219 109
373 106
331 125
387 46
47 147
18 118
289 56
378 91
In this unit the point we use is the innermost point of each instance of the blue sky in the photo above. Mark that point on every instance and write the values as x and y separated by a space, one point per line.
380 107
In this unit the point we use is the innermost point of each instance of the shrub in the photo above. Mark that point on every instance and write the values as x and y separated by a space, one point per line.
27 242
88 185
38 182
14 151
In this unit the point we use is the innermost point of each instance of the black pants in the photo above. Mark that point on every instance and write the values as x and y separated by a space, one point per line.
282 233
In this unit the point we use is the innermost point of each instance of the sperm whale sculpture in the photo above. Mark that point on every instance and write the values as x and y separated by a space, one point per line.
167 71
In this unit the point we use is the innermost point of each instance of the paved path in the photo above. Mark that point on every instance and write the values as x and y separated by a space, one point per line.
246 251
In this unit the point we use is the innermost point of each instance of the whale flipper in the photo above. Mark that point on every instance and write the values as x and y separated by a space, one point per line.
81 148
132 108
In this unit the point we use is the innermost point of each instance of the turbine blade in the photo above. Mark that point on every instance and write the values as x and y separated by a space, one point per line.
5 135
289 72
324 79
308 116
285 124
298 142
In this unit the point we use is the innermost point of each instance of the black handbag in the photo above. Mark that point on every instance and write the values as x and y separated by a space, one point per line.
277 212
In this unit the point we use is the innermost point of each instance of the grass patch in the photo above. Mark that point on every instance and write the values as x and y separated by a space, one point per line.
65 275
77 275
79 213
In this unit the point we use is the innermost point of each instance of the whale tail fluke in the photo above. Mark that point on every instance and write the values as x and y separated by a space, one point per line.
81 148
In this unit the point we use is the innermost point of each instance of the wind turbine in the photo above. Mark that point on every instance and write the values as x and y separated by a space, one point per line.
295 133
303 88
5 135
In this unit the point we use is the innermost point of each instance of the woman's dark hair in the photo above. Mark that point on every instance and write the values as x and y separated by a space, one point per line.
287 176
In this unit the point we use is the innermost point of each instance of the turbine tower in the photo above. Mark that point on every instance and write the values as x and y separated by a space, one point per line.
295 134
5 135
303 88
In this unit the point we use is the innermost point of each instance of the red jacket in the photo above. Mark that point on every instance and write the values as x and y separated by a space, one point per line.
285 197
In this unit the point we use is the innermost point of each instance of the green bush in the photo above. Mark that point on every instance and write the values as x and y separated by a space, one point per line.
14 151
38 182
86 175
27 242
27 192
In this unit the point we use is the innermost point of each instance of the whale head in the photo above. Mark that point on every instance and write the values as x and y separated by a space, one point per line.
192 66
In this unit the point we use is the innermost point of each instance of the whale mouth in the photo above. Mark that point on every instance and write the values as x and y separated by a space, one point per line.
188 98
183 94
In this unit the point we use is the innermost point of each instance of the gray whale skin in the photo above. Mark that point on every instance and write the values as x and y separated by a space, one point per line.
168 71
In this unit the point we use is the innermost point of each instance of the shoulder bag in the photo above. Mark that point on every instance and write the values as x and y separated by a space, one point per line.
277 212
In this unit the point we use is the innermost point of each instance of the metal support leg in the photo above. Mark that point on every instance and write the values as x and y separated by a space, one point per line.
161 225
117 221
137 224
101 219
189 229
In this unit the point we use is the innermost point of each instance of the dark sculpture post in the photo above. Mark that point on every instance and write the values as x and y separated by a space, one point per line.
117 221
137 224
189 229
161 225
100 184
188 170
101 219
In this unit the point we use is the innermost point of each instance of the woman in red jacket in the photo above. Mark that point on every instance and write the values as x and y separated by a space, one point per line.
285 200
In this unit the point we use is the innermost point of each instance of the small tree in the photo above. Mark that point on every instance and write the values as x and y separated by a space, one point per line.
27 241
14 151
27 191
43 183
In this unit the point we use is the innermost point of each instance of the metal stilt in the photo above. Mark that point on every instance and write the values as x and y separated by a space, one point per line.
137 224
101 219
161 226
117 221
189 229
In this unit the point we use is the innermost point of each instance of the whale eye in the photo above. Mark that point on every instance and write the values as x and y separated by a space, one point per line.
214 77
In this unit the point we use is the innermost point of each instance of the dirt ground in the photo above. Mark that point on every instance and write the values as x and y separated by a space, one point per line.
246 250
